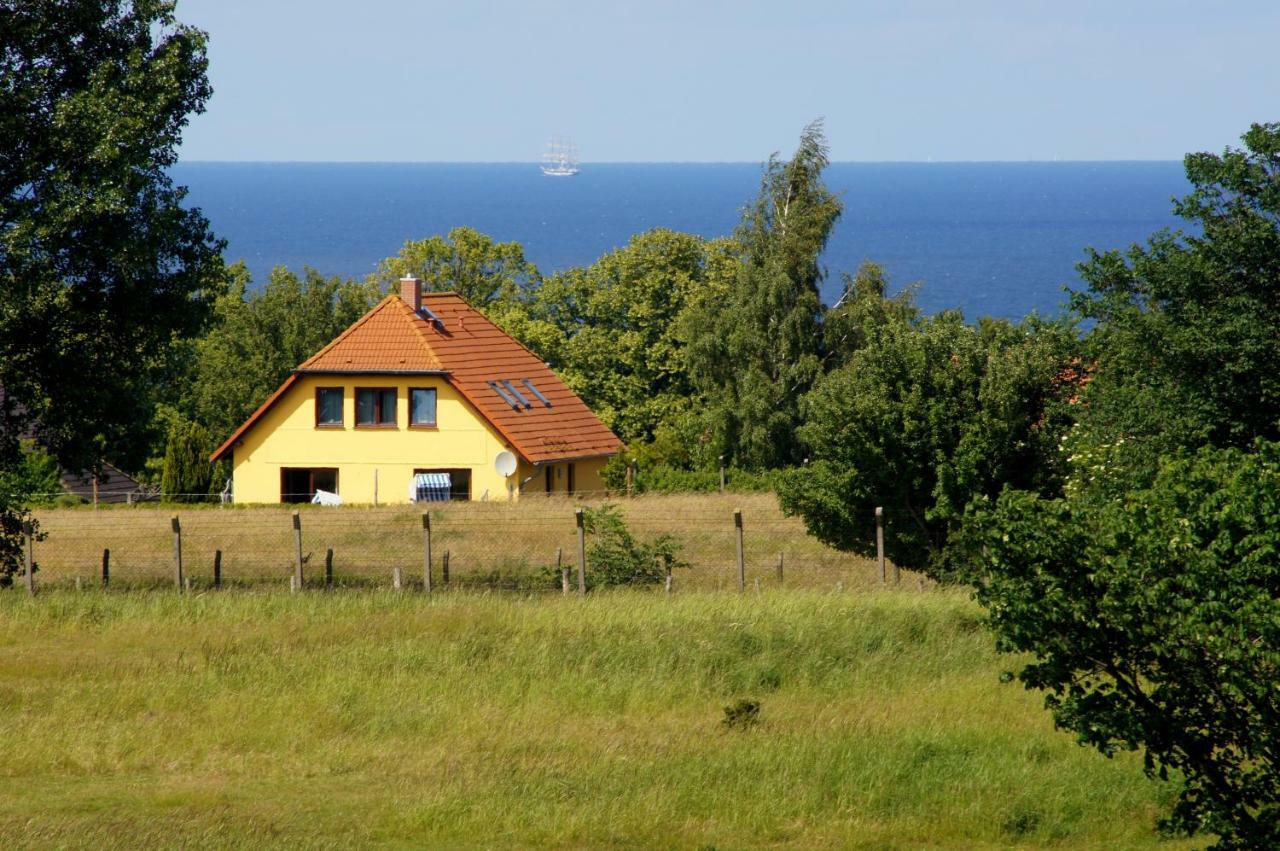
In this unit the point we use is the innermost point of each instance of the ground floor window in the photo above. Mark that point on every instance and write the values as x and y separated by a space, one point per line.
440 484
571 485
299 484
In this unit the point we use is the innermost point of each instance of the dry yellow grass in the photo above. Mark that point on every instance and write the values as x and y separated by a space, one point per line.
495 543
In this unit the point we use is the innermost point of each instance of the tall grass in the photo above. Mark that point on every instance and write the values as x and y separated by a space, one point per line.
496 544
475 720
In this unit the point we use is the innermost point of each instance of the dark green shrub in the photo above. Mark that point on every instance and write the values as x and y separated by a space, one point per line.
188 475
616 558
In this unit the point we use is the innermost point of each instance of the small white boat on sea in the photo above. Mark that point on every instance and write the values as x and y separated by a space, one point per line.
561 158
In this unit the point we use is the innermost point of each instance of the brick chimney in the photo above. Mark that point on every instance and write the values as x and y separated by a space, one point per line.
411 292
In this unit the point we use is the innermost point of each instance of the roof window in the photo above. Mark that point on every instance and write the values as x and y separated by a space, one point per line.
511 388
429 315
506 397
536 392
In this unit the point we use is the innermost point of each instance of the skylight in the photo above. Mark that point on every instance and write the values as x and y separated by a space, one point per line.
431 317
536 392
511 388
506 397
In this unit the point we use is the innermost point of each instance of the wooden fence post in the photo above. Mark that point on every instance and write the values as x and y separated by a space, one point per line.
722 474
397 581
177 553
328 568
29 531
880 542
668 584
297 541
781 557
217 568
742 561
426 551
444 568
564 571
106 567
580 519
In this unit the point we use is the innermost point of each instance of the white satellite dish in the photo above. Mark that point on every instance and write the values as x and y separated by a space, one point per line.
505 463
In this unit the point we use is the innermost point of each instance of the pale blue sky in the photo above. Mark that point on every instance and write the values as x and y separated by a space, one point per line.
717 80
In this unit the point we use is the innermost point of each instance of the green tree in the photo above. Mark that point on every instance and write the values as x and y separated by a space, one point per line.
616 325
467 262
261 336
923 416
755 352
100 264
1152 622
1187 339
1147 594
37 476
188 473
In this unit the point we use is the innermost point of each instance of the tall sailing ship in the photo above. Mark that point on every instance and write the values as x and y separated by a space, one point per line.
561 158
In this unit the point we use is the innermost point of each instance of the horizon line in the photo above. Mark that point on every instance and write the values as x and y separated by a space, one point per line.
676 162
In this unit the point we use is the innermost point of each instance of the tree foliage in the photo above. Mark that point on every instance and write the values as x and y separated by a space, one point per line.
188 474
616 338
1154 623
100 265
924 414
260 336
1187 343
467 262
1147 593
754 352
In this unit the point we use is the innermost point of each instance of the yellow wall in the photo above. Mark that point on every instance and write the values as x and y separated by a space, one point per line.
287 436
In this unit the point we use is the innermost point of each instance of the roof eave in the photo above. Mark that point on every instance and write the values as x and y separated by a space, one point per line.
573 458
439 372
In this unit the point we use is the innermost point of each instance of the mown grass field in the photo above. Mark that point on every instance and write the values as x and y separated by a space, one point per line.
371 719
495 544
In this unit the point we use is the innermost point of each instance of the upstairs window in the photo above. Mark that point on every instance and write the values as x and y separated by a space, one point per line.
328 407
376 407
422 407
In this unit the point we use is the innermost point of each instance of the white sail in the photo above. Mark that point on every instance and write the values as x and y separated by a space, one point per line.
561 158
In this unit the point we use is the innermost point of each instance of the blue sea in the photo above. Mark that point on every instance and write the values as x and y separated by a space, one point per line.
999 239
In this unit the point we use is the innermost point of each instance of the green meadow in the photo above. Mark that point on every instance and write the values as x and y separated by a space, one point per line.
375 719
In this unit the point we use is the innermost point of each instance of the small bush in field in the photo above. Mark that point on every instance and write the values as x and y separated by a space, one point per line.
741 715
615 557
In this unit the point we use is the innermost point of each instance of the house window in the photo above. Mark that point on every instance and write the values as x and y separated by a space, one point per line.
376 407
299 484
422 407
550 482
328 407
425 490
570 484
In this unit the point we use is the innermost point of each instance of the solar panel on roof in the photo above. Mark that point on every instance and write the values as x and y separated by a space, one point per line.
511 388
536 392
510 400
431 317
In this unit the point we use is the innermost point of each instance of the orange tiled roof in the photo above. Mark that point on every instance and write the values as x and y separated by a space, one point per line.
380 341
470 351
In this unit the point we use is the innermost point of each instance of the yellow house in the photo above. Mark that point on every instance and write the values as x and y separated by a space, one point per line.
423 398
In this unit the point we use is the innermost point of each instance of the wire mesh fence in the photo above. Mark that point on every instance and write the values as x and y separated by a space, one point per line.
521 545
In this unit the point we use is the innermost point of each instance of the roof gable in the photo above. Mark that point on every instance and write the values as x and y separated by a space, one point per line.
386 339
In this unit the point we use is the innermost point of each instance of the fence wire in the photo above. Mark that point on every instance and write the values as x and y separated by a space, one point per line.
485 545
